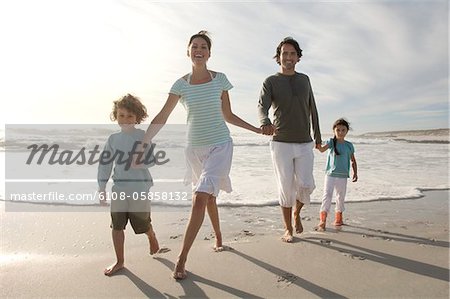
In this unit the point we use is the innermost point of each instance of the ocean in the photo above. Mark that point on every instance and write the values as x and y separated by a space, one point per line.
390 165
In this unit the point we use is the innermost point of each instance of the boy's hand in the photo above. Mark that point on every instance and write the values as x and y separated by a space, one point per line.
134 162
355 177
102 198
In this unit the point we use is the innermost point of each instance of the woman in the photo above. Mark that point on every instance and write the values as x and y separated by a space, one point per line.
209 151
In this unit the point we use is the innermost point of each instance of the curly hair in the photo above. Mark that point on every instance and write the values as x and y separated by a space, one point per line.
132 104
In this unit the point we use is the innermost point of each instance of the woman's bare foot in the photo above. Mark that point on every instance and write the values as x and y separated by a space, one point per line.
218 247
298 224
154 245
113 269
287 237
179 273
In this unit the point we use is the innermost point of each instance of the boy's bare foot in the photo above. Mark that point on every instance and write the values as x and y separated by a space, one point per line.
113 269
154 245
287 237
298 224
179 273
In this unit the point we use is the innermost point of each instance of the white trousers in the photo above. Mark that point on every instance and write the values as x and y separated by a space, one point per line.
293 164
332 184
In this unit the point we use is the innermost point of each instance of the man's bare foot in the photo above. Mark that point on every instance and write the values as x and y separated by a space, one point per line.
154 245
113 269
179 273
298 224
287 237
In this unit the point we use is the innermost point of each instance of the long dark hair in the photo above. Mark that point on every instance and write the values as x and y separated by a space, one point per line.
339 122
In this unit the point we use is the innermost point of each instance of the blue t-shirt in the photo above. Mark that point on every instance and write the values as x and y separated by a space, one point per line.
203 103
118 148
339 165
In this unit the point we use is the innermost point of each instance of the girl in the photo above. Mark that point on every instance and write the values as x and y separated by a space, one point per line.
337 171
204 95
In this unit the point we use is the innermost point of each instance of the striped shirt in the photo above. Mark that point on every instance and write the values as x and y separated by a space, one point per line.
203 104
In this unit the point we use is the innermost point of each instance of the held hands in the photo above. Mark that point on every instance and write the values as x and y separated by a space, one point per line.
102 198
139 150
269 129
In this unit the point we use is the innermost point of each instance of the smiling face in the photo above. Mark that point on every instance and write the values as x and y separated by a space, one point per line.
126 119
198 51
288 58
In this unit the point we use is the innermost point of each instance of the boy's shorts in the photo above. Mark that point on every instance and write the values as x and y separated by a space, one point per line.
140 221
127 205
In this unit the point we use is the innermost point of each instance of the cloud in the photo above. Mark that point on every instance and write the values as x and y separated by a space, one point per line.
366 60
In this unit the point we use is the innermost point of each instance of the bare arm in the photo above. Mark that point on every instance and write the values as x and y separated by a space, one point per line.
232 118
321 147
354 168
161 118
155 126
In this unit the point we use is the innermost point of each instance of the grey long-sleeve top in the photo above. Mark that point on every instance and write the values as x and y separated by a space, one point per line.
294 107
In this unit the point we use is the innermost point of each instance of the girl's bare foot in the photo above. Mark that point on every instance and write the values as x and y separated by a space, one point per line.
179 273
154 245
113 269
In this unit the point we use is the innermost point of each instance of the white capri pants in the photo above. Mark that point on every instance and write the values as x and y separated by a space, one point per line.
334 184
293 164
209 168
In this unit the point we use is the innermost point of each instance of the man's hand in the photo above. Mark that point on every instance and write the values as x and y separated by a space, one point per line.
268 129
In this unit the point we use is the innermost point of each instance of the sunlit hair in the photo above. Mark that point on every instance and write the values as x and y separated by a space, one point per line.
291 41
133 105
202 34
339 122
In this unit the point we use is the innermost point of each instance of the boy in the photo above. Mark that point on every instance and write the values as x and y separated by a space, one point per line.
128 200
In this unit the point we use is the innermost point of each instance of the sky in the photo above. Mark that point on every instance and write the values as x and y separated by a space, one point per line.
383 65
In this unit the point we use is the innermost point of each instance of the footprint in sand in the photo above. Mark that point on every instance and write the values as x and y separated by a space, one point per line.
377 237
353 256
175 237
326 242
248 233
244 233
286 279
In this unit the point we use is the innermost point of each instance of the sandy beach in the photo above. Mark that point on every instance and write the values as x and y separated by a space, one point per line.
397 248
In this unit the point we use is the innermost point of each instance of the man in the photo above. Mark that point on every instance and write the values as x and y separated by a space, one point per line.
291 97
